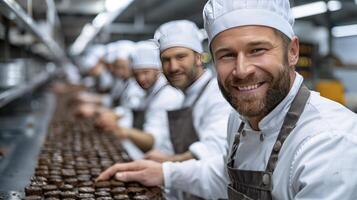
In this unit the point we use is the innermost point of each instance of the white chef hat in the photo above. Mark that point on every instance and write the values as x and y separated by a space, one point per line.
220 15
123 49
88 62
179 33
92 57
146 55
110 52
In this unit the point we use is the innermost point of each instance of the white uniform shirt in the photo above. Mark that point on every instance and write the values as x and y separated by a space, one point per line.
104 81
130 99
210 116
156 120
317 161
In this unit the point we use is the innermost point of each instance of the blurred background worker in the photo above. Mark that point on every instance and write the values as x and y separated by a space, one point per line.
125 93
149 122
96 75
197 128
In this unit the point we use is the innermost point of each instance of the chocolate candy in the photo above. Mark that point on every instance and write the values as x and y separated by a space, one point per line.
33 191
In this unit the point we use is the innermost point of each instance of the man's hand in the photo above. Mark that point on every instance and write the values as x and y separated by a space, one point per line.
59 87
106 120
161 157
87 97
157 156
86 110
148 173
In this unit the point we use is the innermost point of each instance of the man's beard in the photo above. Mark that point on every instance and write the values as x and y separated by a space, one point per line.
249 107
190 76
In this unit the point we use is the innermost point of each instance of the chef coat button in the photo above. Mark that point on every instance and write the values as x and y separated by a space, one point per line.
277 145
261 137
266 179
243 133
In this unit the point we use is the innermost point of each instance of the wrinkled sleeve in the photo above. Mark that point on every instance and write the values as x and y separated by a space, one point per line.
204 178
212 131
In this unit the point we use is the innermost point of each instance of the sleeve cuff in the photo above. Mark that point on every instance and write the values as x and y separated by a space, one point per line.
166 168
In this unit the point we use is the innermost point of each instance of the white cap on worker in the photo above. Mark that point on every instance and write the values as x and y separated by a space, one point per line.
124 49
110 52
180 33
92 57
146 55
220 15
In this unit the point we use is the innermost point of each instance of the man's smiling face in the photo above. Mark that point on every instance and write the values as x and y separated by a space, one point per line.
253 69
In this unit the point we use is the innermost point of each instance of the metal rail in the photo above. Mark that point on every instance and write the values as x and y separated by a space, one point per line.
13 10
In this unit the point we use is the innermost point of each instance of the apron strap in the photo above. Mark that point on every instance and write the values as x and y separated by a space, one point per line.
235 144
291 118
152 96
118 97
201 92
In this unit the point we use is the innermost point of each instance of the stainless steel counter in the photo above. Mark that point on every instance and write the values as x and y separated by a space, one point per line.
21 137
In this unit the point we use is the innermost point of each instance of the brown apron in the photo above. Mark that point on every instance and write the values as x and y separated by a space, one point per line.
182 130
249 185
139 114
117 99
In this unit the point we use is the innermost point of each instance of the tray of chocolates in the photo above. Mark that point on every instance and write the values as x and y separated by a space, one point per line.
73 155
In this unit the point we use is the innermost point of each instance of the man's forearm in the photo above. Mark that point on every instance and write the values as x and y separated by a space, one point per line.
143 140
182 157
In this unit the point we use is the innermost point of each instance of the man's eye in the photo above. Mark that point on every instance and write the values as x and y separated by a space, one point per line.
180 57
258 50
227 56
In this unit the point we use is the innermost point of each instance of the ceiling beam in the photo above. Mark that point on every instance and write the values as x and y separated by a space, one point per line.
131 28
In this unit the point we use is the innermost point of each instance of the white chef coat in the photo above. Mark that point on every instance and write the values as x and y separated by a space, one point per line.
130 99
156 120
317 161
105 80
210 116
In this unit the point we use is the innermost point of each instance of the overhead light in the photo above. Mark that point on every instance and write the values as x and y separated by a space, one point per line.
309 9
100 20
334 5
344 31
113 5
114 9
315 8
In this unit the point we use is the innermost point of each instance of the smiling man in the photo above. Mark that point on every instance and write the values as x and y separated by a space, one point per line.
286 142
150 118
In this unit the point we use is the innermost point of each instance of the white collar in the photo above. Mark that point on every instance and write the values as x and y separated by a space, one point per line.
196 86
161 81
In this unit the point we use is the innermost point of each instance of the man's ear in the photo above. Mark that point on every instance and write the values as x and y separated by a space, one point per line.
199 59
293 54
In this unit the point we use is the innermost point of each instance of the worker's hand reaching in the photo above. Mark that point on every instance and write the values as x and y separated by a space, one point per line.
106 120
146 172
86 110
87 97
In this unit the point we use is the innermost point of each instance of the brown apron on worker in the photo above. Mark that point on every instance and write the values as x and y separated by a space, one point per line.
117 99
139 114
249 185
182 130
